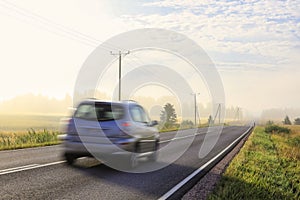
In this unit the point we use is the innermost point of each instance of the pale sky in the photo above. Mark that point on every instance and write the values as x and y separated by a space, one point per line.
254 44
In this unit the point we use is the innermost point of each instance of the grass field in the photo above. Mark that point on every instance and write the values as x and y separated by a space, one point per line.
9 123
21 123
267 167
23 131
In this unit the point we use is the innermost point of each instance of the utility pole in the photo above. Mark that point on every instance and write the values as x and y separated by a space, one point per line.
218 112
120 53
237 114
195 105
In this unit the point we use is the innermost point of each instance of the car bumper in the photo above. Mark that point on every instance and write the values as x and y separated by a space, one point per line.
124 146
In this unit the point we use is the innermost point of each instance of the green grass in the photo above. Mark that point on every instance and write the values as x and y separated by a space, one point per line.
267 167
177 127
31 138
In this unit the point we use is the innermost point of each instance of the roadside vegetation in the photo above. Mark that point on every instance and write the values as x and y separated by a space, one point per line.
267 167
31 138
168 121
24 131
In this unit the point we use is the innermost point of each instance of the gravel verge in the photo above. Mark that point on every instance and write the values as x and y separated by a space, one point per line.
206 185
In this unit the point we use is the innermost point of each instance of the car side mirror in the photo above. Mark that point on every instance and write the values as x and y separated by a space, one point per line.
153 123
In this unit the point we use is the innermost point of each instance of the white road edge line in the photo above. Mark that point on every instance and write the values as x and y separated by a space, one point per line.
30 148
33 166
188 178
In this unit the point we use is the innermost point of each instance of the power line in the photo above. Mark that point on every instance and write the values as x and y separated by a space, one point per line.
45 23
61 30
66 30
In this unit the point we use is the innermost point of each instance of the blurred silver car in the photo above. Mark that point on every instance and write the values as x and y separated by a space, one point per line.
110 130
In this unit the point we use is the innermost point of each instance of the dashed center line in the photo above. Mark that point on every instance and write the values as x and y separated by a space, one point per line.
17 168
27 167
179 138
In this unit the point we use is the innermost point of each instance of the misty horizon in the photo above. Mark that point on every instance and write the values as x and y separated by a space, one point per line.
45 105
255 50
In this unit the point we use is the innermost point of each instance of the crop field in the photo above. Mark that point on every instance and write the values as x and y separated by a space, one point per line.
31 138
21 123
22 131
267 167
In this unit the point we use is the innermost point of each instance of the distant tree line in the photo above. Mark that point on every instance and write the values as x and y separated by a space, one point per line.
168 119
287 121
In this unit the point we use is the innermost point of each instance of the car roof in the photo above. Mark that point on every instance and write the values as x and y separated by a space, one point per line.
93 100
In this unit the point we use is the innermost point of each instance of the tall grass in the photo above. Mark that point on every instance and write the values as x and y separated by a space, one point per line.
267 167
31 138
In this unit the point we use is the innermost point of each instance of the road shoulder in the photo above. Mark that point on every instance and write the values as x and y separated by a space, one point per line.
206 185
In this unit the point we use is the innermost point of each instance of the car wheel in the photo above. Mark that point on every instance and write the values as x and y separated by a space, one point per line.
70 158
154 155
133 160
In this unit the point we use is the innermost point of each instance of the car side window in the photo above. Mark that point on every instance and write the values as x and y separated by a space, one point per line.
138 114
86 111
100 112
107 112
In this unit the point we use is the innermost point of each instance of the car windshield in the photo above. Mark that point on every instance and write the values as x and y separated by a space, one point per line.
99 111
138 114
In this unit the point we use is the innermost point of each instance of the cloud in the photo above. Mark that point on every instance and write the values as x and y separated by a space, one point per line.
264 31
254 44
244 66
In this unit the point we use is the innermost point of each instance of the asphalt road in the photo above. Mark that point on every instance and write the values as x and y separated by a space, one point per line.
89 179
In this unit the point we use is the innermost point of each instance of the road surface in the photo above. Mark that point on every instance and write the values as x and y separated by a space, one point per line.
37 173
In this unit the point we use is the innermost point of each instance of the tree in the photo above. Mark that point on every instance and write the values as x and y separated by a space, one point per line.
168 115
297 121
287 121
187 124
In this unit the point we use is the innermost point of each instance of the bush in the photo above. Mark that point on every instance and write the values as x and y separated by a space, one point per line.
294 141
276 129
187 124
297 121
